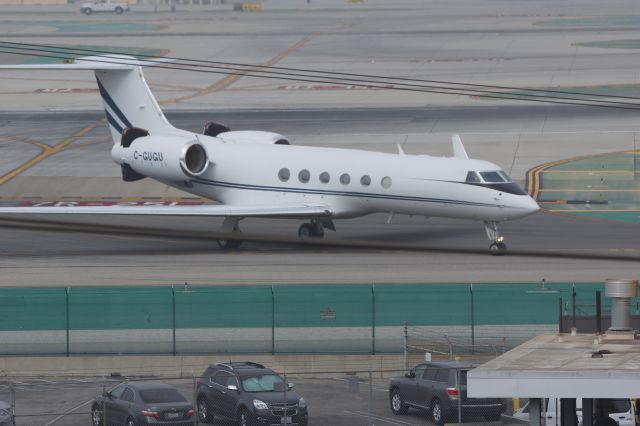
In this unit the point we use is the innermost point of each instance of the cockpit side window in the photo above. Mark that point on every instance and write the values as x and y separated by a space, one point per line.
472 177
492 177
505 176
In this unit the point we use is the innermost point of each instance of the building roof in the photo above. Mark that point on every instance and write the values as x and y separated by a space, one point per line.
550 366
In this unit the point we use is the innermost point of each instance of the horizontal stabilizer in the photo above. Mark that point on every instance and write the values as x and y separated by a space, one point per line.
280 211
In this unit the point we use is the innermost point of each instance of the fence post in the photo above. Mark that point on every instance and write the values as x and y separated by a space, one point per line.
195 399
560 324
573 309
173 318
12 403
405 360
473 321
369 418
598 313
66 310
104 402
273 321
373 319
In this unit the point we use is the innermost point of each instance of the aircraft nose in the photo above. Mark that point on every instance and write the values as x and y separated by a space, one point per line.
530 205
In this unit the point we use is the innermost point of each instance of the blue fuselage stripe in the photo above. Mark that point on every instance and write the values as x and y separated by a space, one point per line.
107 98
338 193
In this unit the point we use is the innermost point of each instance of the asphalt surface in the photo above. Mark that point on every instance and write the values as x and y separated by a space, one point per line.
331 401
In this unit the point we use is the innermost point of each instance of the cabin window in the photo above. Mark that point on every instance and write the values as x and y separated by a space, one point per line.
345 178
386 182
325 177
472 177
492 177
284 174
365 180
304 176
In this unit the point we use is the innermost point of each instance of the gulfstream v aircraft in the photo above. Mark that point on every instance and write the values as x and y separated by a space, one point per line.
259 174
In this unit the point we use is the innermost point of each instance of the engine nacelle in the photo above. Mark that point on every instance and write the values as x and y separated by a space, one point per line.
253 137
164 157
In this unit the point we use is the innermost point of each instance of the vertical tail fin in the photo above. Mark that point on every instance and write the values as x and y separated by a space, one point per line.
127 99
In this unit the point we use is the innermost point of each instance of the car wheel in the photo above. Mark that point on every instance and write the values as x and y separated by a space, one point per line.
397 404
119 10
204 413
88 11
96 416
245 418
131 422
436 412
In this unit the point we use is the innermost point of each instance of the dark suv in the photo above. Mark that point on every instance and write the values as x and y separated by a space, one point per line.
250 394
440 387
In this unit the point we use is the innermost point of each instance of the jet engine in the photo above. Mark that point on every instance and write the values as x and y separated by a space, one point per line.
166 158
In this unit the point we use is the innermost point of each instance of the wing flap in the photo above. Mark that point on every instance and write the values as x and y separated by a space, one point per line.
281 211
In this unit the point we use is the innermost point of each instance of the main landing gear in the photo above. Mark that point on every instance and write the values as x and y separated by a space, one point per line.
230 226
497 247
315 228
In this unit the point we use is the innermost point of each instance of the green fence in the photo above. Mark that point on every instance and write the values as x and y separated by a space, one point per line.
346 318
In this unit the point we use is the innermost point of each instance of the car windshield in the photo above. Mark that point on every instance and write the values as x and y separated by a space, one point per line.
264 383
463 377
617 405
159 396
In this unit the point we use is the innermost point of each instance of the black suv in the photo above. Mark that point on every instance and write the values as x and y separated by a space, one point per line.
440 387
250 394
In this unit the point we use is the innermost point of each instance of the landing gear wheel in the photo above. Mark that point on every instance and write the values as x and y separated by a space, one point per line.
311 230
397 404
498 248
229 244
119 10
436 412
131 422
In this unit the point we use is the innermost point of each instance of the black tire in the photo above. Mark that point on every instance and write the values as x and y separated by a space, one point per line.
229 244
205 415
436 412
398 407
305 231
88 11
119 10
131 422
96 416
245 418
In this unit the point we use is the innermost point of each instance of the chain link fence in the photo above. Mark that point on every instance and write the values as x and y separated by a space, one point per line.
286 319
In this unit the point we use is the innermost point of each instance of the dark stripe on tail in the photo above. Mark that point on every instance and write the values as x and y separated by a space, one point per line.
112 104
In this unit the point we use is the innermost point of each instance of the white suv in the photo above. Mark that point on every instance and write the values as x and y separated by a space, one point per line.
104 6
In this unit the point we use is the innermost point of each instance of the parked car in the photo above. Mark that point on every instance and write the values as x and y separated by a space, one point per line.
104 6
250 394
440 387
620 410
141 403
5 414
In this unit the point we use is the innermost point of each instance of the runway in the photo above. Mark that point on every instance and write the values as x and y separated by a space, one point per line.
62 154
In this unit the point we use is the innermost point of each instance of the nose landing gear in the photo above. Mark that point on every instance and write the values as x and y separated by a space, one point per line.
497 247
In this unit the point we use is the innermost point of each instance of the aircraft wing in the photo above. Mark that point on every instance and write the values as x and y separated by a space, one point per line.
222 210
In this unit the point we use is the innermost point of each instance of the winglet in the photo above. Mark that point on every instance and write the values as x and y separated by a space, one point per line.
458 148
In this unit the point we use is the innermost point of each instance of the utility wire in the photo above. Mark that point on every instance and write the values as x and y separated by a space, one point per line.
255 71
217 64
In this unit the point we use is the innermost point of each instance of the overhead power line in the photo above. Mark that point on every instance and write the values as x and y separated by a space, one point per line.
337 78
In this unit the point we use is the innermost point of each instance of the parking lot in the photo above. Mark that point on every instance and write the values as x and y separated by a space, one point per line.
331 401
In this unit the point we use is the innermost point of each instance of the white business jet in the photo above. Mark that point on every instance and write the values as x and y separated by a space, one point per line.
259 174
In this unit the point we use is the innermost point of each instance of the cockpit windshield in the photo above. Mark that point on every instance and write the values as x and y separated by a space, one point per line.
497 176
